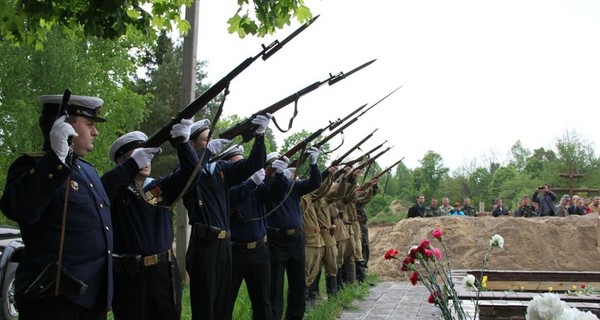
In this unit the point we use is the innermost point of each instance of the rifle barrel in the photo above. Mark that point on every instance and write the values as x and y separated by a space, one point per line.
163 134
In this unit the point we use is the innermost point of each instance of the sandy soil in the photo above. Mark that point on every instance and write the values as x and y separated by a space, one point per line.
548 243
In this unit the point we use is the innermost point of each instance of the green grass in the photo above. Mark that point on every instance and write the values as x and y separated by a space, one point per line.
325 308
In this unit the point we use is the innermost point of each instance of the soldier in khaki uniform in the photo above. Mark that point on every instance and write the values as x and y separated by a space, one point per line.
315 246
365 194
346 252
342 233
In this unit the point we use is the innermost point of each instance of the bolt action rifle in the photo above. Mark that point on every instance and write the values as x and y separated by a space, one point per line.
377 176
304 143
362 165
321 143
246 128
337 161
163 134
350 163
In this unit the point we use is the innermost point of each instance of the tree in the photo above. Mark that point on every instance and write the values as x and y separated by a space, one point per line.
96 67
431 174
29 21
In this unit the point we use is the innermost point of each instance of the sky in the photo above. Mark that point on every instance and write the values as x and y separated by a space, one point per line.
476 75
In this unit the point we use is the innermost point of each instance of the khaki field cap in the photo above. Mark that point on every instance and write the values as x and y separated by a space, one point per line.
126 143
78 106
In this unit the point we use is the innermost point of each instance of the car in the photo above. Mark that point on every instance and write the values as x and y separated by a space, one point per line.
11 250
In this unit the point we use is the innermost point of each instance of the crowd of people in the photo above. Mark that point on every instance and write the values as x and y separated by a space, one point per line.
540 204
95 243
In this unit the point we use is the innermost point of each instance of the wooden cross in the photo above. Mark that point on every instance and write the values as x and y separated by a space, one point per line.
572 175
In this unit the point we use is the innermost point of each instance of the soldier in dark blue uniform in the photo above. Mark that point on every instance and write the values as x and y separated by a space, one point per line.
250 255
208 259
287 243
146 277
34 196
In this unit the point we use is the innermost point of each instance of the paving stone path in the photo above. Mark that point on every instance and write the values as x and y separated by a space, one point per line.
397 300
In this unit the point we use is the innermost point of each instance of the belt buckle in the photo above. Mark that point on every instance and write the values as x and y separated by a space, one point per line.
251 245
290 231
222 234
150 260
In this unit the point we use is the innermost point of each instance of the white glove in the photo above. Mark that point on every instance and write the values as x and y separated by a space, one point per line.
59 134
216 145
280 164
143 156
289 172
182 129
258 176
313 154
261 121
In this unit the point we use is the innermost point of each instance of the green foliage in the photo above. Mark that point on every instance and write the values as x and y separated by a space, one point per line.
29 22
94 67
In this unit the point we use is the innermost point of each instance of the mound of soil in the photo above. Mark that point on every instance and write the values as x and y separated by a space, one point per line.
545 243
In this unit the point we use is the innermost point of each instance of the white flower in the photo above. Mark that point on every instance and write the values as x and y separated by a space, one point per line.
497 241
548 306
469 282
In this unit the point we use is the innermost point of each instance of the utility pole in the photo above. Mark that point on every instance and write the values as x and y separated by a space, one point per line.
188 94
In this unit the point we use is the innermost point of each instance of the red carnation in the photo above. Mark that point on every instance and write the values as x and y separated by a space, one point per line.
431 299
583 286
414 277
437 233
406 262
391 254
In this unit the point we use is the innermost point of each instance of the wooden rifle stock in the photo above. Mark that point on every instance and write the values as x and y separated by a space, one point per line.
245 128
296 148
163 134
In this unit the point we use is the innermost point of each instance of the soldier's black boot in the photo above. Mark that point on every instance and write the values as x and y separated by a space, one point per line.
340 281
360 271
314 288
331 286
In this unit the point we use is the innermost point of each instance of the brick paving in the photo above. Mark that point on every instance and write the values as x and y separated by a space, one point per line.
394 300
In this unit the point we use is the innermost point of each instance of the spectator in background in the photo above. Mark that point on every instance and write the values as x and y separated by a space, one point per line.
577 208
545 198
433 210
595 206
562 209
526 209
456 211
586 205
446 207
468 209
499 210
418 209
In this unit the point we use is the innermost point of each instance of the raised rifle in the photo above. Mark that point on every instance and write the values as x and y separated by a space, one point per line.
245 128
163 134
361 158
364 164
377 176
299 146
337 161
322 142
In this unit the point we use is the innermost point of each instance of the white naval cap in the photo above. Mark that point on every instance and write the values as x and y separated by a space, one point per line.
125 143
86 106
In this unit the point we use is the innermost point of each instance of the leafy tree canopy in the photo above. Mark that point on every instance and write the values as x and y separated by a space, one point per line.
30 21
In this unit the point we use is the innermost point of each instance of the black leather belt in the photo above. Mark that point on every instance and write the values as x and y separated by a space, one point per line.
250 245
277 232
205 232
134 262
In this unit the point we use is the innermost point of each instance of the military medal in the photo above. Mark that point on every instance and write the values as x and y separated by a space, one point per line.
74 185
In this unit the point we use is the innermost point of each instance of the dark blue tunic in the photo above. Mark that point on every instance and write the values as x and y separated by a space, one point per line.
34 198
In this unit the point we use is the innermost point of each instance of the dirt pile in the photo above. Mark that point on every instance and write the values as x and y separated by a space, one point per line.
546 243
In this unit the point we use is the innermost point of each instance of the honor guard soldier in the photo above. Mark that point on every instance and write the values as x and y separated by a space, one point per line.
146 277
208 258
287 243
44 188
250 255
